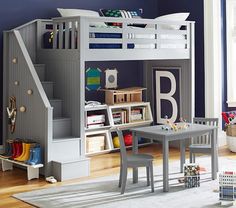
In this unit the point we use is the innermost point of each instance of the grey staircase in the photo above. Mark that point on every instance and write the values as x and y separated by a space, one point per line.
57 107
61 124
65 148
40 69
61 127
48 88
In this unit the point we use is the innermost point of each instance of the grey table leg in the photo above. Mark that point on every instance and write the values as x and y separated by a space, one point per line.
182 154
165 152
135 151
213 154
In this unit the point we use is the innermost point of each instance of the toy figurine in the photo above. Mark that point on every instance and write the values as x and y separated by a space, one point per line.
175 126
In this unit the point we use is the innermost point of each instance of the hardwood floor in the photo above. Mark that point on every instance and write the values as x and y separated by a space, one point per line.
15 181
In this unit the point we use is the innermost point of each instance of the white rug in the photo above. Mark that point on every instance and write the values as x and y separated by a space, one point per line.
104 193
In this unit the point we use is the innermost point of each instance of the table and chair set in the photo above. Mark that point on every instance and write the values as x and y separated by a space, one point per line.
202 134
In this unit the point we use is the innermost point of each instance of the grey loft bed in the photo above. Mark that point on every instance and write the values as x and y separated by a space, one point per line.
64 65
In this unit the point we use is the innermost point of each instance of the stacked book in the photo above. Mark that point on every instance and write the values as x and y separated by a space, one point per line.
137 114
95 121
120 116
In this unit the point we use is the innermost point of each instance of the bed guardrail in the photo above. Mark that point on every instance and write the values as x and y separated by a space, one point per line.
99 33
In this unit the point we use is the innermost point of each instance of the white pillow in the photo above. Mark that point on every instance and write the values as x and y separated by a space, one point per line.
81 12
173 17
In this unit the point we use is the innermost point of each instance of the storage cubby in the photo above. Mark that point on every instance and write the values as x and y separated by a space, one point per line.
103 139
97 142
96 117
130 114
127 135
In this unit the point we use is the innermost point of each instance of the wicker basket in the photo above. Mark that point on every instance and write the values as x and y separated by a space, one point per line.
231 142
231 130
231 137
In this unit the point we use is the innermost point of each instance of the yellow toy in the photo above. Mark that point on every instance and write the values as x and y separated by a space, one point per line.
116 142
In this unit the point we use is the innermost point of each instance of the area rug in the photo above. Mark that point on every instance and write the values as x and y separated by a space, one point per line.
104 192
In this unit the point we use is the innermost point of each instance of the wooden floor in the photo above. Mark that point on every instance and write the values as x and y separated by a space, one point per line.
15 181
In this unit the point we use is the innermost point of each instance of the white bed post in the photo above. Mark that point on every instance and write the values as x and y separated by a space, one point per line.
213 62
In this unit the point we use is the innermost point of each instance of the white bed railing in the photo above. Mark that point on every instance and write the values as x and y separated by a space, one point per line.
155 35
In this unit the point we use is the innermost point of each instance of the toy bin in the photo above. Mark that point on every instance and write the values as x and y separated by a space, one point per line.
231 137
191 175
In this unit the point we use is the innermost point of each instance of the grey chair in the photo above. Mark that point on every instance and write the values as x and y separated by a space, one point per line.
202 144
133 161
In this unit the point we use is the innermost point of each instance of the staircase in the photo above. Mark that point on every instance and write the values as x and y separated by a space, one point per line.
61 124
44 119
65 148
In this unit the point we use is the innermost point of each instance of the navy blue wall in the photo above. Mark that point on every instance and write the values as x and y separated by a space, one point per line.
196 14
14 13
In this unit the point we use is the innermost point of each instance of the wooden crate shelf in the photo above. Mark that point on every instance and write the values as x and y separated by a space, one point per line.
126 95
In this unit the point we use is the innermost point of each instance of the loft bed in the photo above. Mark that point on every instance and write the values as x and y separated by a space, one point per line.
57 70
139 39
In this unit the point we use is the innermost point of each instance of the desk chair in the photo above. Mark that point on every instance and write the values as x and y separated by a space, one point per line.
133 161
202 144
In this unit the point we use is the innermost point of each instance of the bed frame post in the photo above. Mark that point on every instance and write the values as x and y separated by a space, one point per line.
5 86
82 50
192 63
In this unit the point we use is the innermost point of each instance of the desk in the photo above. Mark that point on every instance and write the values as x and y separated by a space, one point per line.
156 133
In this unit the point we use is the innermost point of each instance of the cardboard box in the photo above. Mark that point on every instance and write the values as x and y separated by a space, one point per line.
231 130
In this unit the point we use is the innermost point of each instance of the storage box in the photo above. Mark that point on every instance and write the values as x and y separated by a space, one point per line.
126 95
95 143
227 185
231 130
191 175
71 169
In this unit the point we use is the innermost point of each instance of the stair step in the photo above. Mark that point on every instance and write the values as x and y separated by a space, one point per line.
48 88
57 107
40 69
61 127
65 148
70 169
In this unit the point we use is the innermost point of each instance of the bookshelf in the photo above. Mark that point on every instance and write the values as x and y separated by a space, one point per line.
96 118
98 142
102 120
129 115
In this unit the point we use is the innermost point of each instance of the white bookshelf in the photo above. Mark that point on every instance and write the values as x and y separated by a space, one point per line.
97 110
94 135
129 115
145 119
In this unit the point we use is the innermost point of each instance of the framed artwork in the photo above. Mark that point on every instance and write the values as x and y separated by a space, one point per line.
93 79
111 78
167 94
